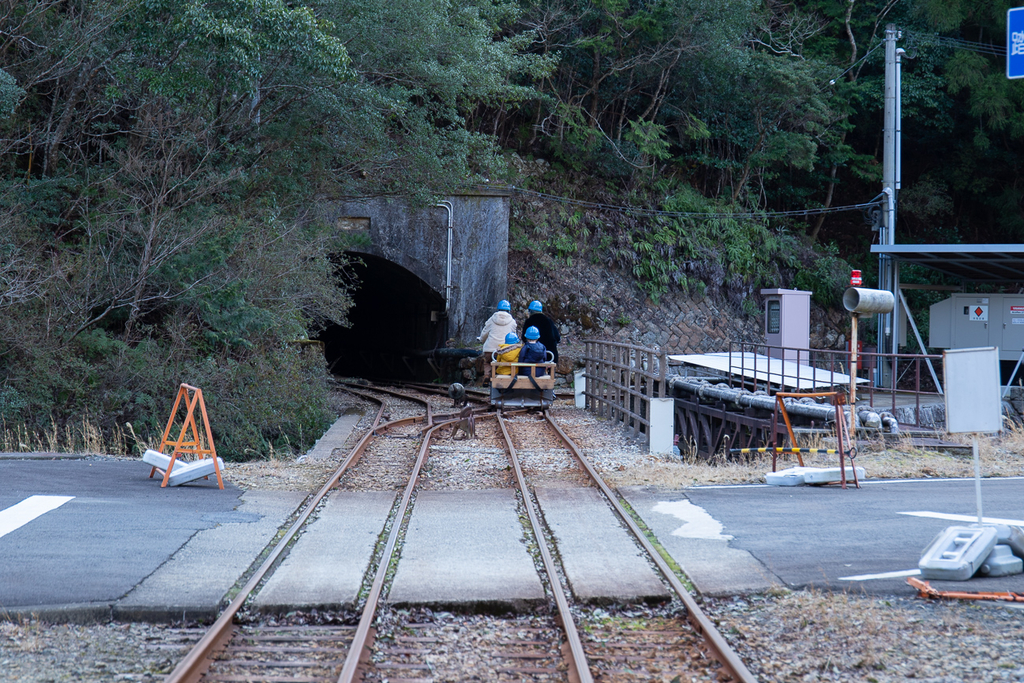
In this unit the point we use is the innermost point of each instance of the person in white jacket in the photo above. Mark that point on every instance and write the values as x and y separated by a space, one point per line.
493 334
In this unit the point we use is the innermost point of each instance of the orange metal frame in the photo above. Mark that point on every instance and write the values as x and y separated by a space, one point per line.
838 398
185 443
925 590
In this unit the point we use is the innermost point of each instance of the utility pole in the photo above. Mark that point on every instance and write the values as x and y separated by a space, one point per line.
888 271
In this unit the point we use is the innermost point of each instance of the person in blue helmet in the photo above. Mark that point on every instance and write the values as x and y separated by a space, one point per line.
507 353
548 330
533 352
497 326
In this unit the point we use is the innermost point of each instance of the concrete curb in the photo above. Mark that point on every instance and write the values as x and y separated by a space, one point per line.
78 613
48 456
85 614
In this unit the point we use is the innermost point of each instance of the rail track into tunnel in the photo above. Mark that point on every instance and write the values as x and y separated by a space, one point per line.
410 457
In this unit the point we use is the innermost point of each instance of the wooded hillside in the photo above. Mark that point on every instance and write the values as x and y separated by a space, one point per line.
161 159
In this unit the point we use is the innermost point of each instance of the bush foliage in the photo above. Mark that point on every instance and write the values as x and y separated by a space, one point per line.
161 162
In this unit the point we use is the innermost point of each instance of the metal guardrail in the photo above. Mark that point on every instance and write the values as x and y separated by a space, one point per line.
916 381
621 381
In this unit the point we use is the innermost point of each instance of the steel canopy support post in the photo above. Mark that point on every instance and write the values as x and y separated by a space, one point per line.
920 342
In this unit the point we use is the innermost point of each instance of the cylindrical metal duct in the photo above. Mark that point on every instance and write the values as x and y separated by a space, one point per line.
742 398
445 353
861 300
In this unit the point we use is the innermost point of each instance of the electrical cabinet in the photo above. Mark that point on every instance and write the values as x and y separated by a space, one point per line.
966 321
787 321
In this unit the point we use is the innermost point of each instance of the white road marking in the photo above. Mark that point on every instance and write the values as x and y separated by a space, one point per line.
886 575
24 512
697 523
964 518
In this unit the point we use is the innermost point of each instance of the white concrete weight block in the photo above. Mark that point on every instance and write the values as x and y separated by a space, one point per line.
156 459
182 472
1001 562
957 553
791 476
830 475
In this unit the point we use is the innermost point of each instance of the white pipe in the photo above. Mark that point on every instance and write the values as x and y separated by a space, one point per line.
448 276
899 120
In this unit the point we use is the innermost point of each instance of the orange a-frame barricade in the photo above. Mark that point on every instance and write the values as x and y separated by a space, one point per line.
189 444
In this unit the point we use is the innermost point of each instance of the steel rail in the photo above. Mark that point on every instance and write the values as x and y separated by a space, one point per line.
720 648
579 669
197 661
363 639
349 386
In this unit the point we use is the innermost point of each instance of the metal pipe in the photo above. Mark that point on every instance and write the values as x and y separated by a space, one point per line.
444 353
448 277
863 300
742 398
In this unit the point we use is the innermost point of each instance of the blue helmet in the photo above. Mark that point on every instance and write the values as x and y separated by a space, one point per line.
536 307
511 338
532 333
503 305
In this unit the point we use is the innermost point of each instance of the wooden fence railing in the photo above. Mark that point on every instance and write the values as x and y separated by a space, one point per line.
621 380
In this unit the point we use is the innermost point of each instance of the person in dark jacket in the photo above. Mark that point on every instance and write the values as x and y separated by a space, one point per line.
548 330
533 352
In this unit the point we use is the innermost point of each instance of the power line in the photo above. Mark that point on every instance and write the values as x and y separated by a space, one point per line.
689 214
957 44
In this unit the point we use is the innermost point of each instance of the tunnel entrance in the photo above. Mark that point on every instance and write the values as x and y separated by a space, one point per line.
396 320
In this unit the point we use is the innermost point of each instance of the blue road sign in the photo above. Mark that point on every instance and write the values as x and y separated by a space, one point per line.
1015 42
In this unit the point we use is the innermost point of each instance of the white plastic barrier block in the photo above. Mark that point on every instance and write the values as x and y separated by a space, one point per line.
183 472
156 459
791 476
1012 536
830 475
798 476
957 553
1001 562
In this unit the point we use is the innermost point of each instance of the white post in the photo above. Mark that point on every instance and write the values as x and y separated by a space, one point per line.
579 383
662 414
977 478
853 380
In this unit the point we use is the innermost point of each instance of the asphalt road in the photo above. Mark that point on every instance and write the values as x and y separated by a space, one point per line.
818 536
118 527
116 530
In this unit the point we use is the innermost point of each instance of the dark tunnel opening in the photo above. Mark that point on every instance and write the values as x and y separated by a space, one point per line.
395 321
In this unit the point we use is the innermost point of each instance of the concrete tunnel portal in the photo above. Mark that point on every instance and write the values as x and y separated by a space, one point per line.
395 320
426 274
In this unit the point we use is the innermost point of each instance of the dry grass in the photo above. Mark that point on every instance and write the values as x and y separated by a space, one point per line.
84 437
1001 456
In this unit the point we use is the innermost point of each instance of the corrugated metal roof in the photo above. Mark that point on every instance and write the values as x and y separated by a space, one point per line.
974 262
754 366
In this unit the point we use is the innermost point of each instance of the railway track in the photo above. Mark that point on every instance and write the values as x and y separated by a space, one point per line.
561 638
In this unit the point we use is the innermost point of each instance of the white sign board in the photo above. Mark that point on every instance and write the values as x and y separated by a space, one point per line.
973 403
978 312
